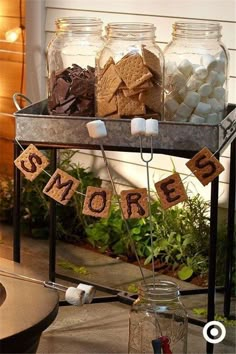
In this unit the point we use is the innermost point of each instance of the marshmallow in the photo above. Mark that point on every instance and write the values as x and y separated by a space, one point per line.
138 126
171 67
220 65
192 99
196 119
171 105
220 79
193 84
152 127
200 72
184 110
212 118
74 296
212 78
220 116
185 67
96 129
209 61
219 92
178 118
178 80
89 292
205 90
215 105
202 109
182 92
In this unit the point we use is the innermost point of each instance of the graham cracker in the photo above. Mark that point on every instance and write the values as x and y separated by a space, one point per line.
134 203
109 82
109 62
61 186
152 62
129 106
113 116
132 70
205 166
31 162
152 98
97 202
171 191
130 92
105 108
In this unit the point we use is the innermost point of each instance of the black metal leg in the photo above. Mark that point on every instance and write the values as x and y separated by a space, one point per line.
16 211
212 256
230 231
52 222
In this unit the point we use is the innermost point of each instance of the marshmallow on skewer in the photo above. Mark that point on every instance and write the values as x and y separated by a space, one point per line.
75 296
96 129
89 292
152 127
138 126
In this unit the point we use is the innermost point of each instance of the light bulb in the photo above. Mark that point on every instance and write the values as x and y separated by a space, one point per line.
13 34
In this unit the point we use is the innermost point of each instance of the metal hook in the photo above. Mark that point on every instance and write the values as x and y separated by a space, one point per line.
55 286
141 150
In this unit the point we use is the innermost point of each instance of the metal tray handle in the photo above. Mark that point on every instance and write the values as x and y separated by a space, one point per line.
15 100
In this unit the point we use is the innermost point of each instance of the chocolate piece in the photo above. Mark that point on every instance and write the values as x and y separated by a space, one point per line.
72 91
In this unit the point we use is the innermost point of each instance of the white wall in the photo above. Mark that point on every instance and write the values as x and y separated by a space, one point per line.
128 167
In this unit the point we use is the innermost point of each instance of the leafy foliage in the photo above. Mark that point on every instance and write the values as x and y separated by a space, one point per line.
6 199
180 235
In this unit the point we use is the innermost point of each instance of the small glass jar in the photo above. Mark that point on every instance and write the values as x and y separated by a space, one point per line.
71 66
158 321
129 73
196 74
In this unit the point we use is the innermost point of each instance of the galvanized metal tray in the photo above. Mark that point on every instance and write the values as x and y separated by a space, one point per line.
35 125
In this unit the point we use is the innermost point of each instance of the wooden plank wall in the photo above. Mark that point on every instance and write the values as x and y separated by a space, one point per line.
127 167
10 80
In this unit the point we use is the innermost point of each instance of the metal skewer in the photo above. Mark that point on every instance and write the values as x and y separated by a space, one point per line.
149 199
47 284
125 221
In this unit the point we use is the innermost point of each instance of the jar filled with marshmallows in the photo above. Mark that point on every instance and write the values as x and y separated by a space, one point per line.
129 73
196 74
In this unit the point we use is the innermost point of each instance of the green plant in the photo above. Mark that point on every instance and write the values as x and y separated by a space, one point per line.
6 199
35 205
71 266
201 311
180 235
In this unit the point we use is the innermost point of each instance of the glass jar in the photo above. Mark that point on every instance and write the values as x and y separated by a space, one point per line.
158 320
71 66
129 73
196 74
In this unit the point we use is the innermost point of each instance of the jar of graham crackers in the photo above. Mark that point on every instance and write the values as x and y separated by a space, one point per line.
129 73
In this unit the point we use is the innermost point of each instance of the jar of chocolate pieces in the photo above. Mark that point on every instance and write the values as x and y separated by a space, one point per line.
129 73
71 66
196 73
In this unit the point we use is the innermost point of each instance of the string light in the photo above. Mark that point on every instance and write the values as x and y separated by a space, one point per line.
13 34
